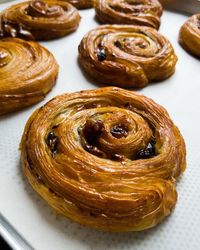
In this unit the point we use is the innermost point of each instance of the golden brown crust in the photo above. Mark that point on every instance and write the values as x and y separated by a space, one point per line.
28 72
137 12
81 4
189 36
106 158
39 20
126 55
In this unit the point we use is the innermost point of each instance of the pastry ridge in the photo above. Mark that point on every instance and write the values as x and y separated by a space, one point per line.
74 157
81 4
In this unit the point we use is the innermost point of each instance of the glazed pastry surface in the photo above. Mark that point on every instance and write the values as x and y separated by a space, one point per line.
81 4
189 36
137 12
126 55
106 158
39 20
28 71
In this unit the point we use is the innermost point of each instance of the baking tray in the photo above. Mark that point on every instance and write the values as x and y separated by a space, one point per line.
39 225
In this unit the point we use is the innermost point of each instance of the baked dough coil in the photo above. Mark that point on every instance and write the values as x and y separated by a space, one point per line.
189 36
126 55
105 158
138 12
28 71
81 4
39 20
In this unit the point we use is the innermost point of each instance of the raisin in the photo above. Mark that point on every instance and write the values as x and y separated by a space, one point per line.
118 44
117 157
95 151
101 54
52 142
92 130
119 131
148 152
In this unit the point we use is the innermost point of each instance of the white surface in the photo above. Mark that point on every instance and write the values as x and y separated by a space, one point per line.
43 229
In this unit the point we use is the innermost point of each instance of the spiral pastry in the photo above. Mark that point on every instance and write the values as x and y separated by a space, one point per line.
105 158
189 36
39 20
28 71
126 55
138 12
81 4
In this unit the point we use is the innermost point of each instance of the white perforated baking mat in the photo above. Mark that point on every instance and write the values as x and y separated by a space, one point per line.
38 223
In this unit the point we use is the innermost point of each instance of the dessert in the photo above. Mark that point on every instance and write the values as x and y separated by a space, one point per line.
28 72
126 55
189 36
135 12
39 20
106 158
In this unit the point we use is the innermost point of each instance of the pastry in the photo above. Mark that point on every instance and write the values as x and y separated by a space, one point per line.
106 158
28 72
39 20
81 4
138 12
189 36
126 55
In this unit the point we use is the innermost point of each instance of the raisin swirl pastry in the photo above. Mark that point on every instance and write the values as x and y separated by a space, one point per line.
81 4
126 55
189 36
28 71
138 12
39 20
105 158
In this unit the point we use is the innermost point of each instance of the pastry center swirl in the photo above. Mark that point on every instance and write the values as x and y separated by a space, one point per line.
41 9
138 45
118 136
